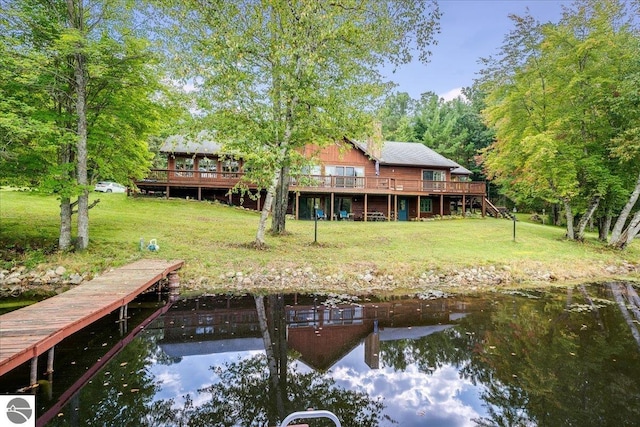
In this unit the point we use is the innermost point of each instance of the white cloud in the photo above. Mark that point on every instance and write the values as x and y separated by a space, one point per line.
453 94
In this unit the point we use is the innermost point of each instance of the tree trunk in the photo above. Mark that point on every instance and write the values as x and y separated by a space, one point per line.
81 149
64 240
269 349
624 215
266 209
75 10
281 202
278 332
582 225
569 216
555 212
629 233
604 225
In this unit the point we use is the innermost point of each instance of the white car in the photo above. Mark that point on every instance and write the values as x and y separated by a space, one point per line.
110 187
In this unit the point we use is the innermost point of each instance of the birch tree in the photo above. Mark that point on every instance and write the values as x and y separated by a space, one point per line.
550 92
93 98
273 76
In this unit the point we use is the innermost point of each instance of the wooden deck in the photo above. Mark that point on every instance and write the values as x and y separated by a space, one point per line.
30 331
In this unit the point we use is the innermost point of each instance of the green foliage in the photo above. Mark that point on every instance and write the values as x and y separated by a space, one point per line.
554 98
211 239
452 128
272 77
125 97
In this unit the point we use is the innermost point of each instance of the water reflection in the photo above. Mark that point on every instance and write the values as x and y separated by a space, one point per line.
548 358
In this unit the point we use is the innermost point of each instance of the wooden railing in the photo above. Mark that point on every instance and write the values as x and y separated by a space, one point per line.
317 182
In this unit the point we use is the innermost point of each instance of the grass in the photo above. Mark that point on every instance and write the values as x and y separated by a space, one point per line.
214 240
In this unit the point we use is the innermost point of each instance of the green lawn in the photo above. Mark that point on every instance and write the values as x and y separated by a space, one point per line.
214 241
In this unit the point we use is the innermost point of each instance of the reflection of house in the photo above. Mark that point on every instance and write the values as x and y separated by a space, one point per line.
322 335
351 180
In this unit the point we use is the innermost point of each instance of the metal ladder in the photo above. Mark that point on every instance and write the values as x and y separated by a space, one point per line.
311 414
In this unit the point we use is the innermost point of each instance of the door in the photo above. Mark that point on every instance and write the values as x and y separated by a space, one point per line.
403 209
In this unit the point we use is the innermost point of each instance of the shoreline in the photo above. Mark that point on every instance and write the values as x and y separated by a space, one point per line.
20 282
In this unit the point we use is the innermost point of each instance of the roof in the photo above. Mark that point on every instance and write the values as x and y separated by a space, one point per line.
409 154
393 152
202 144
461 170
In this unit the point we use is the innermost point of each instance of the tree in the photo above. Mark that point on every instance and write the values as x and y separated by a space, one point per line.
275 76
396 116
94 97
454 128
548 99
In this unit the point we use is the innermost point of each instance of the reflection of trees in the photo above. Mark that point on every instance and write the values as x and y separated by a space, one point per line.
543 361
263 389
241 397
563 367
128 389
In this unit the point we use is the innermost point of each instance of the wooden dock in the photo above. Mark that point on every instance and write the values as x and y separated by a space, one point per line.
30 331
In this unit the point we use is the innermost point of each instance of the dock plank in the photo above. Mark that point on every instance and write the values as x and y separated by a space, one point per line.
33 330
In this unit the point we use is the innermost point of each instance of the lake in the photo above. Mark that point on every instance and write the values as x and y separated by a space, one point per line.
553 357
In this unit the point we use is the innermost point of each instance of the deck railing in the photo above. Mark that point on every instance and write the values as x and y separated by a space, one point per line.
318 182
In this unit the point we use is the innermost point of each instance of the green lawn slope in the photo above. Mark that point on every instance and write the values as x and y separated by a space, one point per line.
396 257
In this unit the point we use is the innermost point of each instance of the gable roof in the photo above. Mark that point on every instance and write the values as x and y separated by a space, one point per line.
408 154
392 153
199 145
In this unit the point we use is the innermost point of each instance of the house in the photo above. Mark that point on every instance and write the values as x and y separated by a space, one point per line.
350 180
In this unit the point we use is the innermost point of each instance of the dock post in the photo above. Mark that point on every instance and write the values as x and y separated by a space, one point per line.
33 381
50 360
174 286
125 321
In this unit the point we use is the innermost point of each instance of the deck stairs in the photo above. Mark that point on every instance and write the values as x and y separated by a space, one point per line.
497 211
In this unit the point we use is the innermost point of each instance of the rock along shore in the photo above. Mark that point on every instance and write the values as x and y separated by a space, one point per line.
20 280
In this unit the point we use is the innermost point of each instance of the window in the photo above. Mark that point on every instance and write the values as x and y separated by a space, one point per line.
310 170
208 167
426 205
346 176
431 175
230 168
433 180
184 166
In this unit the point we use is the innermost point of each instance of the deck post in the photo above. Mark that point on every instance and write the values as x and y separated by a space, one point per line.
464 205
50 355
442 205
366 208
333 203
33 380
174 286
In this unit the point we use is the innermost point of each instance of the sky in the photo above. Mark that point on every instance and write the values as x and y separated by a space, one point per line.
470 29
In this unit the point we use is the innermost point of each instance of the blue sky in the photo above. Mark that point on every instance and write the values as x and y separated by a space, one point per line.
470 29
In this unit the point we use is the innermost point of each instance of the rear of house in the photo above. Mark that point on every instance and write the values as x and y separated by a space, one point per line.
349 180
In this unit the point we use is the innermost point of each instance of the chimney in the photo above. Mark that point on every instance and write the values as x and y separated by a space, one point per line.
374 142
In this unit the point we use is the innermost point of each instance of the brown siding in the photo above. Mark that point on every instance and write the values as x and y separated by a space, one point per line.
342 154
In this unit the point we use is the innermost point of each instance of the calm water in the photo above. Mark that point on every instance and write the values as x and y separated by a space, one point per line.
565 357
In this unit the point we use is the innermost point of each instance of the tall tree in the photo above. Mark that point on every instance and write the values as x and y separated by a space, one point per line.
548 93
274 76
94 93
396 115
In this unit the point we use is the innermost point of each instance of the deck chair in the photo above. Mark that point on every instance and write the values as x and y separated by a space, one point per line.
344 215
320 214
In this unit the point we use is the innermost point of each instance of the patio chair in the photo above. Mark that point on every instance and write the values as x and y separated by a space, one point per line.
344 215
320 214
